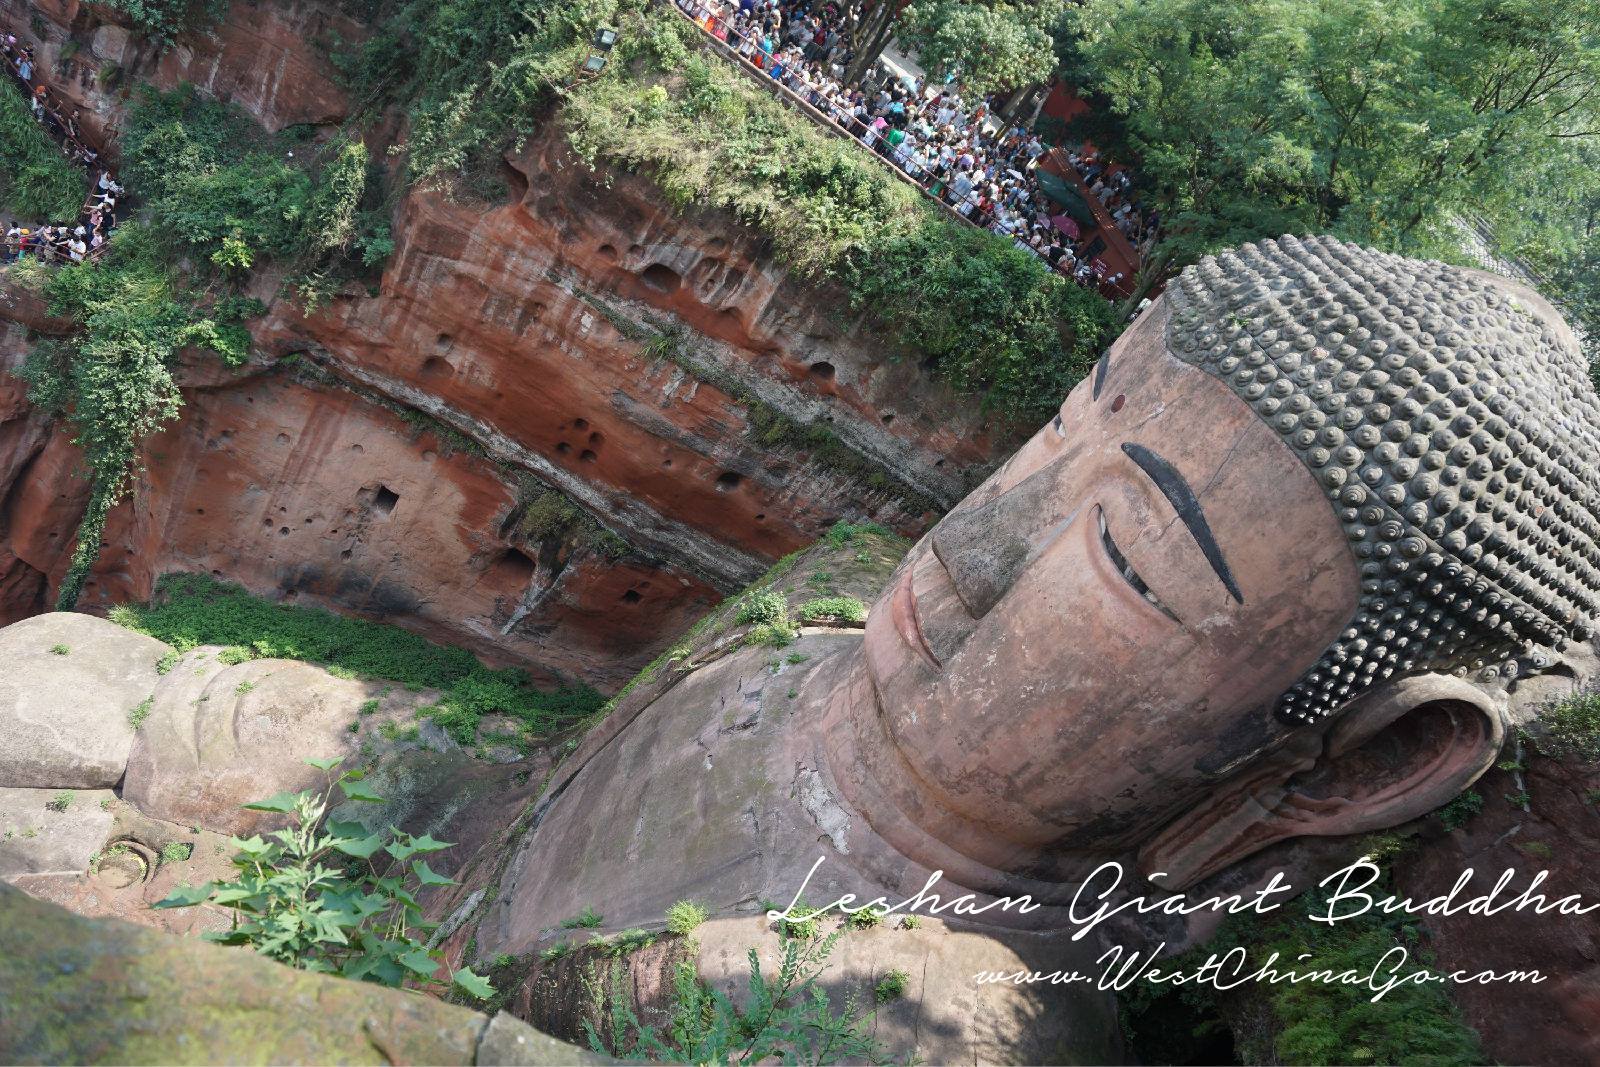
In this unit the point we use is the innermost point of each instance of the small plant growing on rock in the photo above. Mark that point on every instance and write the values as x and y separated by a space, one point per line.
60 650
834 608
910 922
587 919
168 660
1459 811
244 687
684 916
60 802
767 606
176 852
302 898
141 712
502 961
865 919
555 952
891 986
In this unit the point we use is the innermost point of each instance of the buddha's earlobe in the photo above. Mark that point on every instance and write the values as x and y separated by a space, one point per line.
1403 750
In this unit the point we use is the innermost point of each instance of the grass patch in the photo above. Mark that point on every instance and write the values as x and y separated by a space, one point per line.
141 712
61 801
587 919
833 609
176 851
891 986
60 650
193 609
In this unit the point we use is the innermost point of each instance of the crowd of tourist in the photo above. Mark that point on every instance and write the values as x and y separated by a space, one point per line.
957 151
71 241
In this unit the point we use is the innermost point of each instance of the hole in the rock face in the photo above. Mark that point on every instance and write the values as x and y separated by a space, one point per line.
512 568
822 371
283 531
283 511
588 456
444 342
345 554
199 511
595 438
582 424
357 449
1116 405
384 500
761 518
666 463
729 481
609 252
631 597
888 418
938 463
562 448
661 278
283 438
434 367
266 522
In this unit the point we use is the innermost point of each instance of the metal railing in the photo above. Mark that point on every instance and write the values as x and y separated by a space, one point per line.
63 129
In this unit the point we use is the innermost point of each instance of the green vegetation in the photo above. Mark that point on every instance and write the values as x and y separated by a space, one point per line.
1387 123
176 851
787 1019
891 986
910 922
244 687
1309 1022
368 706
358 918
1460 811
37 184
217 191
164 20
587 919
60 801
834 608
865 919
193 609
555 952
684 917
477 75
1571 729
60 650
768 605
141 712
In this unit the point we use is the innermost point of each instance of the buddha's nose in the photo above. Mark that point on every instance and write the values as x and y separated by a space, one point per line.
986 548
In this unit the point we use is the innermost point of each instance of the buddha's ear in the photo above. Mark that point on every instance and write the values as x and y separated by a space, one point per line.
1400 751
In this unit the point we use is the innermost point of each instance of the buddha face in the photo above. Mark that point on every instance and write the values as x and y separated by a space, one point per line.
1097 635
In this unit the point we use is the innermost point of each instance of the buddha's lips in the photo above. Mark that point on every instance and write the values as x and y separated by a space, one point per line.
903 610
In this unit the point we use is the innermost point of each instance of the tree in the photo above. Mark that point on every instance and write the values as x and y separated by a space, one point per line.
992 48
1382 122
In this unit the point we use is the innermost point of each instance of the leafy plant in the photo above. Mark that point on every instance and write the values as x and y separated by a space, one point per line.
60 801
587 919
313 896
36 182
892 986
1571 728
141 712
768 605
60 650
865 919
788 1019
685 916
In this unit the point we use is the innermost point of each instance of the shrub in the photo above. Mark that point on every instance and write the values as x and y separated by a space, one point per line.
865 919
787 1019
289 904
60 650
60 801
838 608
176 851
1459 811
1571 728
767 606
587 919
684 916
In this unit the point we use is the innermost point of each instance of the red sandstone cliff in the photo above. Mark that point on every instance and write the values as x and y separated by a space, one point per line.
379 456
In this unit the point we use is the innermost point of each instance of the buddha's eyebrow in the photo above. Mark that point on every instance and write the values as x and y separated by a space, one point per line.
1184 502
1100 374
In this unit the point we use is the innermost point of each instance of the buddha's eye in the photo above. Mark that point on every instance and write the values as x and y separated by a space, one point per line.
1059 426
1124 568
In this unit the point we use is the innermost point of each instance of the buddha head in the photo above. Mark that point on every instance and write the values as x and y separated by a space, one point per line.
1267 573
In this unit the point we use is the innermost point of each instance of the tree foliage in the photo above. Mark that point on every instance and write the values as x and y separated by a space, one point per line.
990 48
1380 121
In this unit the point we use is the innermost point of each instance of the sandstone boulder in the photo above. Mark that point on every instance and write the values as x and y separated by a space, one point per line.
68 685
46 831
